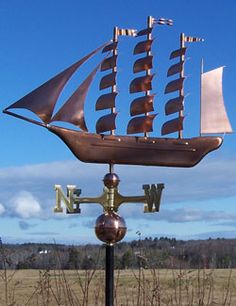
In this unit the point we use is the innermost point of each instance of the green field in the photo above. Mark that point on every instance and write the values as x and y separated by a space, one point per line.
132 287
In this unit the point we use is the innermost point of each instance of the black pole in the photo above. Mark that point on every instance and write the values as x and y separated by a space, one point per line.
109 274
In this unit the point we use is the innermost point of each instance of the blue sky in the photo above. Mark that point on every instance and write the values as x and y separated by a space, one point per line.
41 38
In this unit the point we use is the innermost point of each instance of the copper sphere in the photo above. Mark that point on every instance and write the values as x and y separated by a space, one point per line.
110 227
111 180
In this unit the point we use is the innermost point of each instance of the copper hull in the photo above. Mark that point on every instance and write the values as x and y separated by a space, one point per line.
132 150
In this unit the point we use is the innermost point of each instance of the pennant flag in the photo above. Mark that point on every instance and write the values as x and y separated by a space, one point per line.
127 32
162 21
192 39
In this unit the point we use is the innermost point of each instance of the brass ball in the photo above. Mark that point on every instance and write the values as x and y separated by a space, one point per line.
110 227
111 180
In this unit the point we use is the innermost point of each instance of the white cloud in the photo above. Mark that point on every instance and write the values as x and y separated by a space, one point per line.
26 205
2 209
211 179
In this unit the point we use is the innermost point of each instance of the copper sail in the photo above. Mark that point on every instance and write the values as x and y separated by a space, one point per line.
106 123
73 110
143 105
172 126
106 101
176 104
213 115
143 46
42 100
141 124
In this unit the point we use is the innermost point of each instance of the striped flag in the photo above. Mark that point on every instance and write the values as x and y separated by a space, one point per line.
192 39
127 32
162 21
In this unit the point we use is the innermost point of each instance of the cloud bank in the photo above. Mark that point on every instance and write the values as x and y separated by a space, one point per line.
28 191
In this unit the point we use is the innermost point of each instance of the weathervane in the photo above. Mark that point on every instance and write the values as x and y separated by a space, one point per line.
106 147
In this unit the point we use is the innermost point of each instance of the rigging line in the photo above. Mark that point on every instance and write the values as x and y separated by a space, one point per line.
24 118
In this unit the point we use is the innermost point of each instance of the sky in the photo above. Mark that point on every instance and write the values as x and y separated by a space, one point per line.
39 39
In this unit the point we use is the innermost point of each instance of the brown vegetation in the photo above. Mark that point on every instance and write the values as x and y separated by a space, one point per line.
145 285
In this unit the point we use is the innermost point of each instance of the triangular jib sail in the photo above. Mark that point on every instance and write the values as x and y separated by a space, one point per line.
43 99
213 114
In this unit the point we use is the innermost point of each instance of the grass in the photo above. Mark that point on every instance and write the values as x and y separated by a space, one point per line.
141 287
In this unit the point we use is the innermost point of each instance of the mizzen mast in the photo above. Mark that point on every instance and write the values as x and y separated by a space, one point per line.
176 104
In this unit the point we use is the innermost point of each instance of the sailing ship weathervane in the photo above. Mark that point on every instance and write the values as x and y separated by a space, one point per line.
106 147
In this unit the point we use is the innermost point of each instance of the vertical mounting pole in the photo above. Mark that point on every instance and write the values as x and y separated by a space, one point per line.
109 275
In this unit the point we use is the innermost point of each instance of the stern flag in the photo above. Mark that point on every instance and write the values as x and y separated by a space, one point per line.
192 39
127 32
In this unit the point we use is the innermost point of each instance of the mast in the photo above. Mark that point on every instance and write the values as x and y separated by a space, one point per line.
201 73
149 54
144 104
176 105
181 76
106 123
114 70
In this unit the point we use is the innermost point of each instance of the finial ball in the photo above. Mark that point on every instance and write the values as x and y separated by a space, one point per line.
110 227
111 180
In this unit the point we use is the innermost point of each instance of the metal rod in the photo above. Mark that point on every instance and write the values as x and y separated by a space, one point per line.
182 45
109 275
148 71
114 87
24 118
201 94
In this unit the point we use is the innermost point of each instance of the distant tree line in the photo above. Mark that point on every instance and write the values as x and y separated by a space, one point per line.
161 252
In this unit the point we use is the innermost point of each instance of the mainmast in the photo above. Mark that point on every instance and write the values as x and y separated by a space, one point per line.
181 76
144 104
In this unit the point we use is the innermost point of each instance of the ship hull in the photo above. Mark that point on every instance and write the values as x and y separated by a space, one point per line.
133 150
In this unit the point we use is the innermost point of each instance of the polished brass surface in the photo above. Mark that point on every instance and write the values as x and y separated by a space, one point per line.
110 227
110 199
